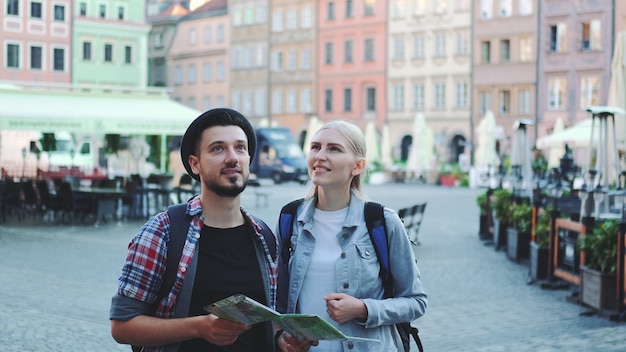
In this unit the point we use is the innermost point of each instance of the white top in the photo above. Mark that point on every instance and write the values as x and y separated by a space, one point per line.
320 277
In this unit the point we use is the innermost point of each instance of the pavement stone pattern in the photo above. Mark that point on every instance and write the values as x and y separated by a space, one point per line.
57 282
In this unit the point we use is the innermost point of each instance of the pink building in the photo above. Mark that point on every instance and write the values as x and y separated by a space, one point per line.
351 47
36 41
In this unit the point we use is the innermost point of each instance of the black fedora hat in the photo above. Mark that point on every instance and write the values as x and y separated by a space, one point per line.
210 118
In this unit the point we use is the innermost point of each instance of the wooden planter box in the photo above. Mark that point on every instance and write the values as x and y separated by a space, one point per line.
598 290
538 261
517 244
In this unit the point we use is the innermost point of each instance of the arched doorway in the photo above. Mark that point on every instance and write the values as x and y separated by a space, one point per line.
405 146
457 148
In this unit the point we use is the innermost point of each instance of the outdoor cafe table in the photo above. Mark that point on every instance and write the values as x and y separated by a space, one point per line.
106 201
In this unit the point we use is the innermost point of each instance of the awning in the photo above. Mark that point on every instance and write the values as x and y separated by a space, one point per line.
83 112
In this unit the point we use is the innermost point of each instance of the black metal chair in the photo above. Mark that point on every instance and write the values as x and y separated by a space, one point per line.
30 204
49 201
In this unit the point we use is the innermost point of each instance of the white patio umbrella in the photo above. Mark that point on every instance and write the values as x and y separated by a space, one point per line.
312 128
486 154
420 154
386 157
556 151
617 86
371 143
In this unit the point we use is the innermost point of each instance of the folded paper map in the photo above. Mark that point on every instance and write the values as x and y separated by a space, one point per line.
245 310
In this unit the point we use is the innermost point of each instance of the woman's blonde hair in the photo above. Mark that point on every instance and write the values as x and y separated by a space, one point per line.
356 143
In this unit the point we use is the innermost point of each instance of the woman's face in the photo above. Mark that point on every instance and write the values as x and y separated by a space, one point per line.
330 160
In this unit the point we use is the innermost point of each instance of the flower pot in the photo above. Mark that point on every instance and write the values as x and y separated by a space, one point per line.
598 290
538 261
499 234
483 230
517 244
447 180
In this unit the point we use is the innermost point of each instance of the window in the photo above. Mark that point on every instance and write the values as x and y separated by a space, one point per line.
398 48
128 54
328 56
504 102
347 51
191 102
108 52
13 55
557 38
420 7
328 100
192 37
418 97
440 95
206 103
120 13
369 7
36 57
291 101
59 13
221 71
13 7
398 97
277 23
178 75
158 40
307 18
526 49
277 102
524 102
292 60
506 8
306 58
440 44
589 91
525 7
556 93
370 104
347 99
418 46
349 9
220 33
330 11
59 59
486 9
259 102
247 103
461 95
83 9
103 10
440 6
292 19
87 51
485 52
505 50
399 9
369 50
305 100
207 72
461 43
484 102
220 101
277 61
35 9
591 35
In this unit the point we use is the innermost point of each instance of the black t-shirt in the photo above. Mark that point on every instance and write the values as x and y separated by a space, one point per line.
227 265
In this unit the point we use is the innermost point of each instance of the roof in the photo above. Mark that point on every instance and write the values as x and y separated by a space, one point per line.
48 111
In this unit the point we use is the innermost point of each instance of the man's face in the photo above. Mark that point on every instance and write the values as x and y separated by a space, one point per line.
222 160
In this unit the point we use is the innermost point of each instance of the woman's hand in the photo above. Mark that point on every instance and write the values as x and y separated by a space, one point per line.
288 343
342 307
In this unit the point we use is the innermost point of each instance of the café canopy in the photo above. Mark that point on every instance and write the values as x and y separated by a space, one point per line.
83 112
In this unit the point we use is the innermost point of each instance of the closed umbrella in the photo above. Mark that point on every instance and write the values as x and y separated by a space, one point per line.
486 154
386 158
421 152
617 86
371 143
556 151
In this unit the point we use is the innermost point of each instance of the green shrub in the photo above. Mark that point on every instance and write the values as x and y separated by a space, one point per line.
600 247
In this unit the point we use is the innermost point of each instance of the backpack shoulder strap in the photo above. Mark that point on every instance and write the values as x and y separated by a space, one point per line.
377 229
265 231
285 226
179 226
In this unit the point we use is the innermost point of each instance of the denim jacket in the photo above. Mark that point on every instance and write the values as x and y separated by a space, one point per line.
357 274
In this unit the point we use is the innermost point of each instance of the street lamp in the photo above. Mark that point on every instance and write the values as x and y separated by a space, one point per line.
24 151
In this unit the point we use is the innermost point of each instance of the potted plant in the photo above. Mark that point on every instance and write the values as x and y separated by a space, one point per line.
518 232
501 216
539 248
484 225
598 274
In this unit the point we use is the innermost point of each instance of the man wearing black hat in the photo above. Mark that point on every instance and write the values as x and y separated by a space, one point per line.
227 251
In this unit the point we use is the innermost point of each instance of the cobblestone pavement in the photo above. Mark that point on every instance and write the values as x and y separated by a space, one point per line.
57 282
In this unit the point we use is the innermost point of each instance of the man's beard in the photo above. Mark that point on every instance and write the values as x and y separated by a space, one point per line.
227 191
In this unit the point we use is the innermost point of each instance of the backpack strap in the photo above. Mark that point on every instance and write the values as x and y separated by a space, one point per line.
179 226
285 223
377 229
265 231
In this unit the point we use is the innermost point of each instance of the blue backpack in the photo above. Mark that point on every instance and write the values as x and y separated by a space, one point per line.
377 229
